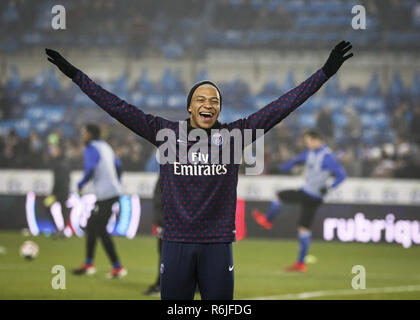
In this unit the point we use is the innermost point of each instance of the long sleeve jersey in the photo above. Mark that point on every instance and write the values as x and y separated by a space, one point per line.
198 199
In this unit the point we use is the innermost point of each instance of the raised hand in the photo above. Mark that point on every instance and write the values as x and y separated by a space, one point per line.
337 58
65 67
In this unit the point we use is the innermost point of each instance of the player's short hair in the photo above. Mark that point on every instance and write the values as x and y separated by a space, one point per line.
94 130
314 134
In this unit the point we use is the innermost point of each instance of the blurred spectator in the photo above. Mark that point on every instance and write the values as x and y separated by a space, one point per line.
35 148
347 156
371 156
6 103
130 153
408 165
2 147
325 123
14 151
400 119
353 128
415 125
387 164
73 150
3 104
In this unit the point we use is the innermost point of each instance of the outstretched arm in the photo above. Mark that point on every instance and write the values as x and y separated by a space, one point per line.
291 163
91 157
333 165
118 167
277 110
145 125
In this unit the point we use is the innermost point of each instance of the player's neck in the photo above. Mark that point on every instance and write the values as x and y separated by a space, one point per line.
190 127
319 147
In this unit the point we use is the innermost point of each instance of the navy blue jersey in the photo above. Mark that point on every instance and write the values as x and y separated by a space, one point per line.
198 198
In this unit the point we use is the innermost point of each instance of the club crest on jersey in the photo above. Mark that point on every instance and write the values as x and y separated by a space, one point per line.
217 139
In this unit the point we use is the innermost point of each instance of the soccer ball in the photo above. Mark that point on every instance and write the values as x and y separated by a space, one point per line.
311 259
29 250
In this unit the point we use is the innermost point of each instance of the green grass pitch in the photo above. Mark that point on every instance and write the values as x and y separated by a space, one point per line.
391 271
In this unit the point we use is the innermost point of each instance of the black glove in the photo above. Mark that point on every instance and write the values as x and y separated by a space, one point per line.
337 58
324 191
68 69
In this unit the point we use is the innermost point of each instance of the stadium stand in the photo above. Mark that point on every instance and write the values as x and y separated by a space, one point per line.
34 107
173 28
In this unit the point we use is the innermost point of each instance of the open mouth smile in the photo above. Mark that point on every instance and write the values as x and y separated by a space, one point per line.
206 116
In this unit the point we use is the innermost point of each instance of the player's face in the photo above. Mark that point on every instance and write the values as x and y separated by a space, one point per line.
312 143
204 107
85 136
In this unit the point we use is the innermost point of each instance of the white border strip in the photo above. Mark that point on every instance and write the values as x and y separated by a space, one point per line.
345 292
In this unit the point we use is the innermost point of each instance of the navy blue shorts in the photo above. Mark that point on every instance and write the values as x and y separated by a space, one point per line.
186 265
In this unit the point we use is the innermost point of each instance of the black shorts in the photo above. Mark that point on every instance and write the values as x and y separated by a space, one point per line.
186 265
309 205
100 215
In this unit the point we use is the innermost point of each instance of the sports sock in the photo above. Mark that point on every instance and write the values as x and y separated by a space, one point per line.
304 242
90 244
275 207
89 261
110 248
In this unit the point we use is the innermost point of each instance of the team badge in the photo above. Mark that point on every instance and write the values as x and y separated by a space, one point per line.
162 268
217 139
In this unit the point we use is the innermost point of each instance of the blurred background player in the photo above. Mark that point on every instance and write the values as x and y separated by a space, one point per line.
157 226
56 201
320 163
104 169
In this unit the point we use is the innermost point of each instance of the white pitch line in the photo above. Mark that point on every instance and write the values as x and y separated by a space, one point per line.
315 294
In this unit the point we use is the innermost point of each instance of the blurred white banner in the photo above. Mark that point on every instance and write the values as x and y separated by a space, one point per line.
257 188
